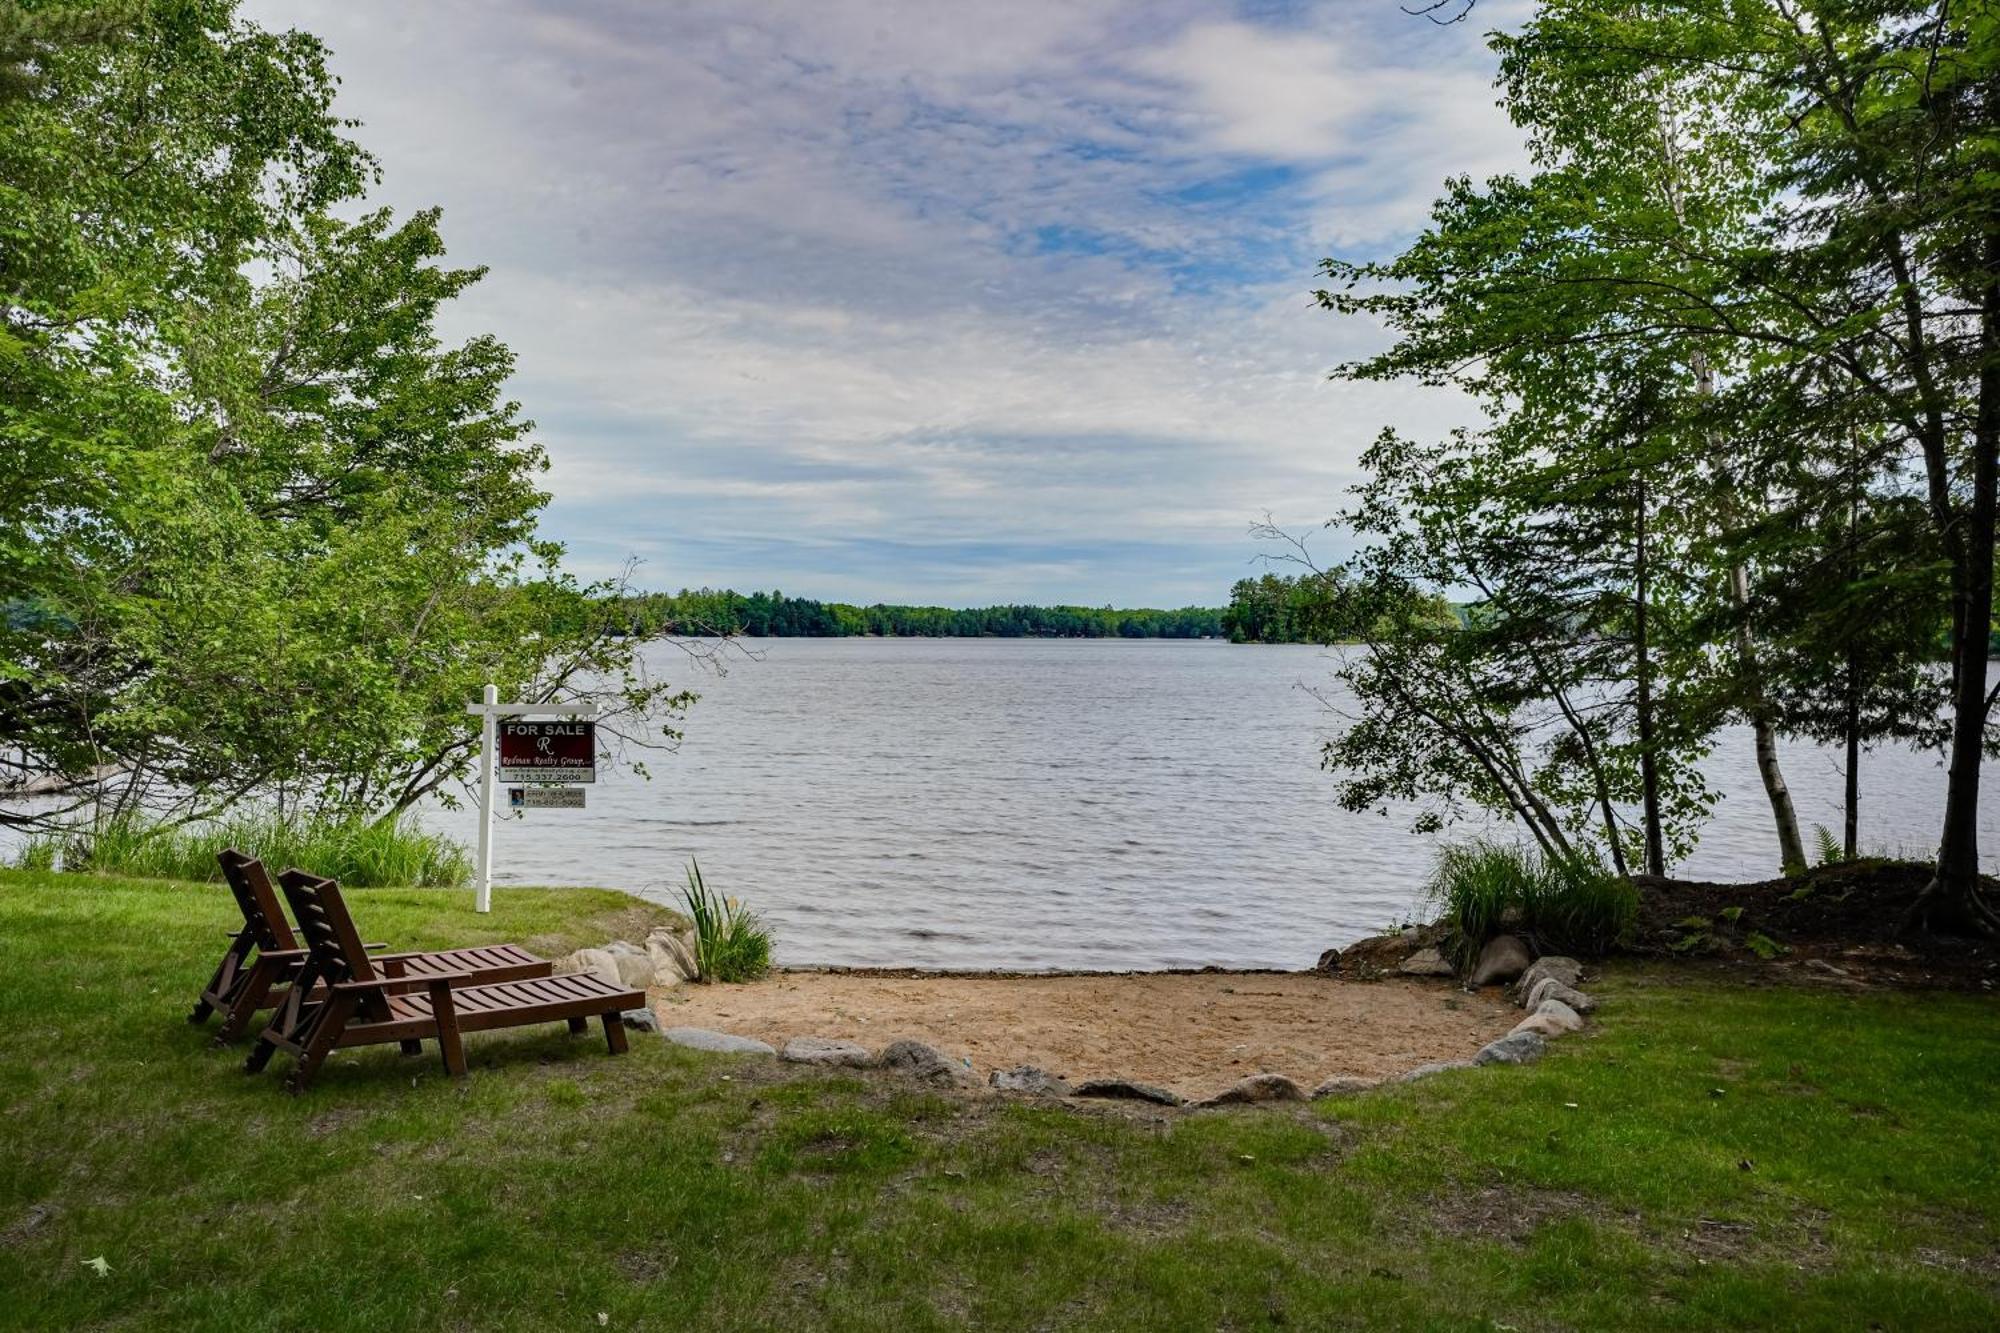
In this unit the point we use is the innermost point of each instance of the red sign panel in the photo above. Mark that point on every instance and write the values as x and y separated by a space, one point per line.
564 751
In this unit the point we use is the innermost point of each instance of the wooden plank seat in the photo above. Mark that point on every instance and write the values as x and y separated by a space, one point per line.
341 1000
264 958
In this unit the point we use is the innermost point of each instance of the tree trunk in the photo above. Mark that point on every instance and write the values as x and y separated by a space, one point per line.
1850 840
1954 899
1791 848
1649 772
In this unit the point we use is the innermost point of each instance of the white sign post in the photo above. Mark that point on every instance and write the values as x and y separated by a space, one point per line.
489 712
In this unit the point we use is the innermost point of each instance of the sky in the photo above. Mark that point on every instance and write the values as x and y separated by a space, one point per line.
950 303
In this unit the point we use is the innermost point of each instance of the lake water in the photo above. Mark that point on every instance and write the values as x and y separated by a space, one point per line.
1094 804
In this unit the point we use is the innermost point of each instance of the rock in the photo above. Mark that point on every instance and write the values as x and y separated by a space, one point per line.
1028 1079
1541 1025
1127 1090
1342 1085
595 962
1329 962
1372 957
1256 1088
672 953
634 964
826 1051
727 1043
1435 1067
1516 1048
1504 958
1548 988
923 1062
642 1019
1426 963
1560 1014
1566 970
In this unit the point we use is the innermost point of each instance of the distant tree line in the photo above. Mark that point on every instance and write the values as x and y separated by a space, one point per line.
774 615
1319 606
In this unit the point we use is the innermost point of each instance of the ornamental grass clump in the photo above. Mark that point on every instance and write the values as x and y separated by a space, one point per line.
360 853
730 942
1567 904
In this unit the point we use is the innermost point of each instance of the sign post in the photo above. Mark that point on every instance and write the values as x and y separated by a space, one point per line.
561 752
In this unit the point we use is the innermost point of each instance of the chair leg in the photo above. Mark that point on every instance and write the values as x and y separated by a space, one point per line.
325 1032
614 1033
579 1026
249 998
449 1043
202 1009
260 1055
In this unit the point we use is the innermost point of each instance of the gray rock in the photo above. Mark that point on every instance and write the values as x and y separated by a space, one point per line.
826 1051
728 1043
1548 988
1256 1088
920 1061
1435 1067
599 963
1541 1025
1342 1086
1028 1079
1504 958
1566 970
1329 962
1560 1014
634 964
642 1019
1426 963
672 953
1516 1048
1127 1090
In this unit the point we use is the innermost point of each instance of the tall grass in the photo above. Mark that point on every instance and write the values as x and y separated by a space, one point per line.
730 943
1568 905
356 852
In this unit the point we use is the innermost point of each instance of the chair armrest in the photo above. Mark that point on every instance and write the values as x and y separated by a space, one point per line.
408 985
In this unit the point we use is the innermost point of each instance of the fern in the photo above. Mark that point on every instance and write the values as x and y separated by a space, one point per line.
1830 851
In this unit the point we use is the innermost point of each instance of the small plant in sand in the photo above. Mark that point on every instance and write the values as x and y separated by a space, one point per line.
730 943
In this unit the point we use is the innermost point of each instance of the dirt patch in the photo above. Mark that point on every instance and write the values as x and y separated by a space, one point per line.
1833 925
1195 1033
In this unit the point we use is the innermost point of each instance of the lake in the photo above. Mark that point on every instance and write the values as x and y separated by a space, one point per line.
1090 804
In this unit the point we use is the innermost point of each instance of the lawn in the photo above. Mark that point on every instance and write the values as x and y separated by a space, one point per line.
1710 1155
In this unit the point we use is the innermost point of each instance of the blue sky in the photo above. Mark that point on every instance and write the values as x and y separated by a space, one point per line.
925 302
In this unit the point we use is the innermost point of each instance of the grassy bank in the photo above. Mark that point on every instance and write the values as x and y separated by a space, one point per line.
1711 1156
358 852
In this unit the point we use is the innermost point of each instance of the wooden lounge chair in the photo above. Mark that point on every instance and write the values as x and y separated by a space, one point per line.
362 1007
264 957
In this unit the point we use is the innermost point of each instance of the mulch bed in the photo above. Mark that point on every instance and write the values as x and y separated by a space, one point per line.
1834 923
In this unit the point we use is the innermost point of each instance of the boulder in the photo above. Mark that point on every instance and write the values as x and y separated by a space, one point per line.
1548 988
1028 1079
672 953
923 1062
1373 957
1541 1025
1560 1014
1256 1088
826 1051
1342 1085
1516 1048
1125 1089
1426 963
1504 958
1435 1067
1329 962
1566 970
726 1043
593 962
642 1019
634 964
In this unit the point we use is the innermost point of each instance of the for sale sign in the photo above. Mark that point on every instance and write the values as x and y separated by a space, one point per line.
561 751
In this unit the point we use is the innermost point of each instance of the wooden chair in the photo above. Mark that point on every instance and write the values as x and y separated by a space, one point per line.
264 957
363 1008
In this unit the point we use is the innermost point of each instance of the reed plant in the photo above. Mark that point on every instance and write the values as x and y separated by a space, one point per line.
730 942
360 853
1570 904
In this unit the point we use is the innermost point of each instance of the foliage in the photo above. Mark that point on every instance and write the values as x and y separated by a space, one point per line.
1864 1117
1567 905
1313 607
358 853
263 531
730 943
760 615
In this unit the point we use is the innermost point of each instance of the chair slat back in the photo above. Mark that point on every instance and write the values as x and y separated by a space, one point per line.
251 884
337 953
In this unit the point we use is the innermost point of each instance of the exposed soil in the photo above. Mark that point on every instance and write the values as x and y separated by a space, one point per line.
1837 924
1193 1032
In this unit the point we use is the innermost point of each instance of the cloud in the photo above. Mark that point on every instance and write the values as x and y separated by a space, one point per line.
902 300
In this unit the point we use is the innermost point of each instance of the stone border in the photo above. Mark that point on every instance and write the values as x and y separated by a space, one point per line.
1547 990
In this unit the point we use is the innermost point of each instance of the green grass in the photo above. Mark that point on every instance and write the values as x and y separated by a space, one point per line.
675 1191
1567 906
357 852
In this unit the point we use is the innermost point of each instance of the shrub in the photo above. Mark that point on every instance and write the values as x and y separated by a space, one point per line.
1563 905
357 852
730 943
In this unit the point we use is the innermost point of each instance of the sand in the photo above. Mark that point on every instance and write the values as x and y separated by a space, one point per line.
1195 1033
